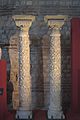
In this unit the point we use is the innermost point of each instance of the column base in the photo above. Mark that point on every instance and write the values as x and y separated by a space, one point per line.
56 115
23 114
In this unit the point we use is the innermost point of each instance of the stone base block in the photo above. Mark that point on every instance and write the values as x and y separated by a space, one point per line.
23 114
56 115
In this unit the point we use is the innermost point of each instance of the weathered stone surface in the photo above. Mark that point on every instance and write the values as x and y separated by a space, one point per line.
54 75
38 31
45 7
24 62
13 54
40 2
8 43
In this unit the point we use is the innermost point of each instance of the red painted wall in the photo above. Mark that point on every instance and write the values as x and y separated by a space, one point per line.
3 98
74 114
75 64
4 113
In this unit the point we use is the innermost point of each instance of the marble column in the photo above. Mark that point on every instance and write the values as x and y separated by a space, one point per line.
54 67
25 97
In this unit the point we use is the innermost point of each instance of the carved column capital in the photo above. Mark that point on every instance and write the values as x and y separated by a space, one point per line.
23 21
55 21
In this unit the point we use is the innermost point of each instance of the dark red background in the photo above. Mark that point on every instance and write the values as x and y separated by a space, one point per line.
4 113
74 113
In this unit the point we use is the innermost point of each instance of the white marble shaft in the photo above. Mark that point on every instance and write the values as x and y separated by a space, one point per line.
55 108
24 71
55 75
25 98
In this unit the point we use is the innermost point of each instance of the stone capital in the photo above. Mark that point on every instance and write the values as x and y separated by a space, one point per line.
55 21
23 21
